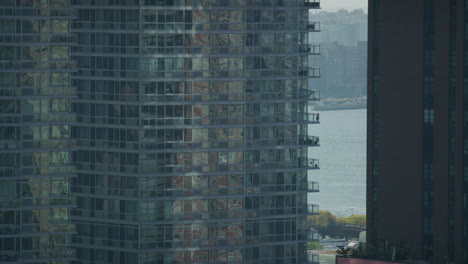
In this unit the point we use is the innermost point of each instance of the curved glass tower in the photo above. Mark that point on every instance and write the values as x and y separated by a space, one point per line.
35 134
193 131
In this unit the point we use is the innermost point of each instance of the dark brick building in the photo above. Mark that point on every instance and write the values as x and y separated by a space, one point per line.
418 129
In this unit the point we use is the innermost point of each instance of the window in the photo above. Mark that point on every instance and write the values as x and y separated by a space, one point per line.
429 116
427 225
427 171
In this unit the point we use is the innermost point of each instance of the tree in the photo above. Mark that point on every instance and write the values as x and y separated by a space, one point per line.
357 12
323 220
353 220
314 245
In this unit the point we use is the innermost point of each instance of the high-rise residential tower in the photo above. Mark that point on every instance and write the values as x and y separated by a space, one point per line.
193 131
35 131
418 130
185 123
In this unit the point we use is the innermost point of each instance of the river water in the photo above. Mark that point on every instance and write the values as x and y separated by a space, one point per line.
342 154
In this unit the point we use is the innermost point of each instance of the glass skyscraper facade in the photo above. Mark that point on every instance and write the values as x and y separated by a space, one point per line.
35 134
188 131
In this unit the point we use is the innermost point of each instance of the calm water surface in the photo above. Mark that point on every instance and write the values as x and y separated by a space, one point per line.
342 155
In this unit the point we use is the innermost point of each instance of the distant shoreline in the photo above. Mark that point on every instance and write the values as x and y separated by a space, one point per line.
339 107
341 104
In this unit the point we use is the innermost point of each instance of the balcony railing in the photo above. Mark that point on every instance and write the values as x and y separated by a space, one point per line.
309 163
313 95
312 3
313 26
312 49
310 259
309 141
309 209
312 209
312 186
310 118
309 234
310 72
313 235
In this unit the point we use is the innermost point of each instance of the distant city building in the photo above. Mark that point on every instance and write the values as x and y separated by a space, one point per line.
343 70
181 128
343 45
348 33
418 132
346 28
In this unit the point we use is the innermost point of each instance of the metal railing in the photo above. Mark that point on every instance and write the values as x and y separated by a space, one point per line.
309 140
310 72
309 163
310 94
309 234
310 259
312 3
313 235
311 186
311 118
312 49
313 26
312 209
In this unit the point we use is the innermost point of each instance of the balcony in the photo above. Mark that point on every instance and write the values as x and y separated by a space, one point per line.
312 209
309 235
312 118
312 235
310 259
309 209
311 95
311 49
310 72
309 163
311 141
312 3
311 186
313 26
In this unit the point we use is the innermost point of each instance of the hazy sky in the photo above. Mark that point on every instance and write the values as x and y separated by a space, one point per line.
333 5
